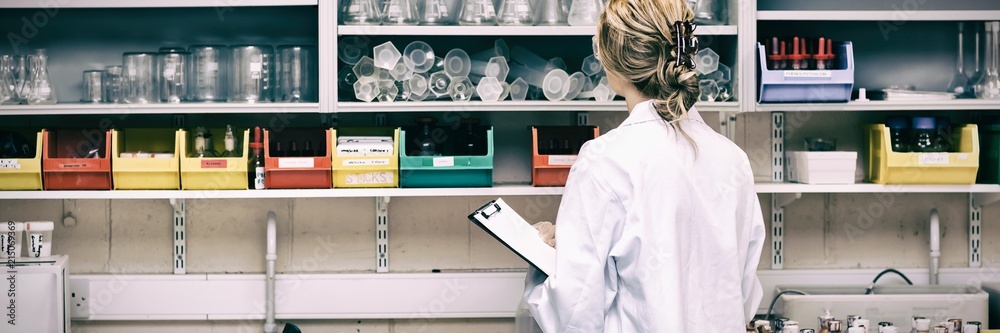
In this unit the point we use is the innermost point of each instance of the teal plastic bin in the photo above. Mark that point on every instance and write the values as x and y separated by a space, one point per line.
446 171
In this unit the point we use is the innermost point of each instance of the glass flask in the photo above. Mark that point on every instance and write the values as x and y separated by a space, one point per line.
22 78
41 91
172 70
208 73
549 12
298 74
93 87
515 12
477 12
8 94
251 68
139 84
585 12
114 84
989 84
958 80
401 12
977 72
436 12
361 12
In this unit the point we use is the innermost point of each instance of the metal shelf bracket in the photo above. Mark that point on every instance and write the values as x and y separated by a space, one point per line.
382 234
180 239
778 200
975 226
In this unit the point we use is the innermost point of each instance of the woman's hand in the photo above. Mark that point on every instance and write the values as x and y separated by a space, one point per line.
547 231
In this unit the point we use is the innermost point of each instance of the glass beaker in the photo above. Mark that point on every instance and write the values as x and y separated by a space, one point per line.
208 73
436 12
361 12
585 12
8 93
114 81
41 91
298 74
139 84
477 12
172 69
93 87
515 12
250 73
549 12
706 11
401 12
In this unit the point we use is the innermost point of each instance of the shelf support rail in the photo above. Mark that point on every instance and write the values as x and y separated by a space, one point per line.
778 201
180 239
382 234
976 203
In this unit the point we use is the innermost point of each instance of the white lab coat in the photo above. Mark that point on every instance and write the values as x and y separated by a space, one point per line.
654 235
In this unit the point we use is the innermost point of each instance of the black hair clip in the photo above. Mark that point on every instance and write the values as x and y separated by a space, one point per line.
687 43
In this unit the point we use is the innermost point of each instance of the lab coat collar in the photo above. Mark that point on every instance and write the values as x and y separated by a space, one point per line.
644 112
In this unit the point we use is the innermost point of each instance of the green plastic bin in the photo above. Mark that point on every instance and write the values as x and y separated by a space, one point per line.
446 171
989 159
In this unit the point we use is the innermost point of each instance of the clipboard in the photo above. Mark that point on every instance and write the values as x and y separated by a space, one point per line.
510 229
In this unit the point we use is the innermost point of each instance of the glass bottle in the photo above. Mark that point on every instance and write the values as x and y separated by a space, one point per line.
257 176
585 12
41 88
899 133
230 143
471 142
989 85
8 95
308 151
924 134
361 12
978 70
209 145
515 12
293 149
944 134
424 140
959 80
277 150
477 12
199 143
401 12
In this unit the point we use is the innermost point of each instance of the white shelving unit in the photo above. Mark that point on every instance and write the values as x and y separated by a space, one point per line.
957 104
184 108
359 30
519 106
877 15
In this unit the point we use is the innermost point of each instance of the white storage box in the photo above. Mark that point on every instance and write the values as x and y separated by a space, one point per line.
40 293
821 167
896 304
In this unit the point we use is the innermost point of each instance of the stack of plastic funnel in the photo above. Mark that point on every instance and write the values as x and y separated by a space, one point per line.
386 55
477 12
461 89
363 12
366 68
518 89
506 90
603 91
707 61
404 90
499 49
495 67
419 89
401 12
591 66
438 83
418 57
365 89
515 12
436 12
457 63
552 83
400 72
489 89
351 49
550 12
575 85
709 90
387 91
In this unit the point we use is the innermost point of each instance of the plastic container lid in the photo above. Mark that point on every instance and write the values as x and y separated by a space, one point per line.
39 226
897 122
923 123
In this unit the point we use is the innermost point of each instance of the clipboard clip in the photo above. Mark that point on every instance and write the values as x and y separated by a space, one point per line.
486 211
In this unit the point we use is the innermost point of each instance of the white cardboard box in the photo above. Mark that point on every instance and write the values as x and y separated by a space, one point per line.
821 167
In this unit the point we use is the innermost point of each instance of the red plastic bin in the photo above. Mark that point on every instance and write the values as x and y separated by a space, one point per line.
553 169
63 167
295 172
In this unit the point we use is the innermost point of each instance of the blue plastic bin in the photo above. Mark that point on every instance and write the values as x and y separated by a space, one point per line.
808 86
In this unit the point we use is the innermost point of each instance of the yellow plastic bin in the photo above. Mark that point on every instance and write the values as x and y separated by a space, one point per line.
888 167
18 174
214 173
365 171
157 167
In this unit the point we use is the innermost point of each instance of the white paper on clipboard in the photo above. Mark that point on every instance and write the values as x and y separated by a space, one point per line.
504 224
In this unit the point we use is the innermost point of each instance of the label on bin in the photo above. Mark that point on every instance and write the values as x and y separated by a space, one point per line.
381 177
380 161
444 162
296 162
808 74
213 164
934 159
9 164
562 159
74 165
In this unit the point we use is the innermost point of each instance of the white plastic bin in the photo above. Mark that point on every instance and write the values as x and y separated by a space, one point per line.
821 167
10 239
39 238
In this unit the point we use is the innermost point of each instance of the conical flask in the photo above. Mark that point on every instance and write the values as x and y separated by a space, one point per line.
436 12
549 12
959 80
361 12
41 88
8 96
477 12
401 12
515 12
989 84
585 12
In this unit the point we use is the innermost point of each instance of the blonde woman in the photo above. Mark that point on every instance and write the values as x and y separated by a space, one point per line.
659 229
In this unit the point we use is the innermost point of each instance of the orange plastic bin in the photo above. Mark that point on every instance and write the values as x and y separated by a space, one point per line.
64 166
554 150
303 170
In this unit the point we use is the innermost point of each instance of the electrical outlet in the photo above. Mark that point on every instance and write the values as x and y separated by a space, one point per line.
79 303
179 121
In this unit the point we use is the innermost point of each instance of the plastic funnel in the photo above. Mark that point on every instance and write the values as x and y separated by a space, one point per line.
555 63
386 55
438 83
418 57
461 89
387 91
457 63
419 89
574 85
351 49
707 60
365 89
518 89
499 49
366 68
400 72
489 89
496 67
709 90
591 66
506 90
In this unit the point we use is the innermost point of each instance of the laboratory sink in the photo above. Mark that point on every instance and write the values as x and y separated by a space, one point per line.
896 304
